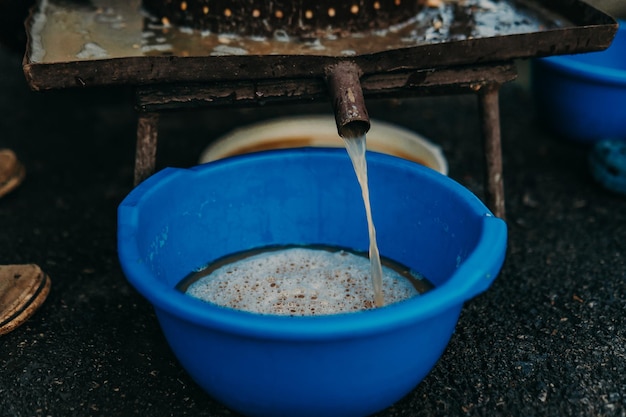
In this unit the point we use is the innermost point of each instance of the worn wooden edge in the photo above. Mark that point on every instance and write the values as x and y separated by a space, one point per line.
148 70
176 96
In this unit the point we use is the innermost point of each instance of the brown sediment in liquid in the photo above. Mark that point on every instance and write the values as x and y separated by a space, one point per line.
299 281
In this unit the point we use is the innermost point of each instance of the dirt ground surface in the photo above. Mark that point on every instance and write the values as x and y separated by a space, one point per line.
547 339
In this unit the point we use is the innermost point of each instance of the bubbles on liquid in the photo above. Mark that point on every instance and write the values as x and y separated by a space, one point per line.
299 281
109 16
92 50
222 50
281 36
164 47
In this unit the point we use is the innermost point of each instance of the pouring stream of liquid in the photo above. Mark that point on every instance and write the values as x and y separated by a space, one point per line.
356 149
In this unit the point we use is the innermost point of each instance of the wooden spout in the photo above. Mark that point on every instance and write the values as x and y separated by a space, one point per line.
343 81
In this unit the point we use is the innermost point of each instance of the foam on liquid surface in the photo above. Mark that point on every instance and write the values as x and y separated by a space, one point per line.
299 281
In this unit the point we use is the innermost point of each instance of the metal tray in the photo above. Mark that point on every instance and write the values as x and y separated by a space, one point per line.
111 42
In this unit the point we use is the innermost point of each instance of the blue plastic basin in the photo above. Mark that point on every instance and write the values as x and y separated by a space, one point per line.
583 97
351 364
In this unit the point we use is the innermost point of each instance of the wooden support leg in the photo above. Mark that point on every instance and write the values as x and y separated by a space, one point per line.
145 152
490 115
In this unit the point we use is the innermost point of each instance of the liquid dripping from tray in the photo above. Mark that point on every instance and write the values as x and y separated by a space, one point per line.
356 148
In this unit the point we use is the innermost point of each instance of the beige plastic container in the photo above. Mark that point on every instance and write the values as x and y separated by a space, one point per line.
321 131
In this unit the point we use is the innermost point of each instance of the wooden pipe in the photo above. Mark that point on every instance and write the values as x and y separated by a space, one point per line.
344 83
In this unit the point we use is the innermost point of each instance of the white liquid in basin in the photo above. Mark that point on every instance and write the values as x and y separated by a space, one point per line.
299 281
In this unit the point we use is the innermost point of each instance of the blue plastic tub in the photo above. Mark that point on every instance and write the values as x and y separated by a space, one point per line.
583 97
351 364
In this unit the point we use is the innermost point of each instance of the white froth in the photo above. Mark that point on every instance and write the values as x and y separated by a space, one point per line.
299 281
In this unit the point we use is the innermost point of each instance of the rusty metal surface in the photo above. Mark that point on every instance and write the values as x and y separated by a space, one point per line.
346 94
577 27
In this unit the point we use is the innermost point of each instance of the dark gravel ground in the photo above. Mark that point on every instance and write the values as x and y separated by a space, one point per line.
547 339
